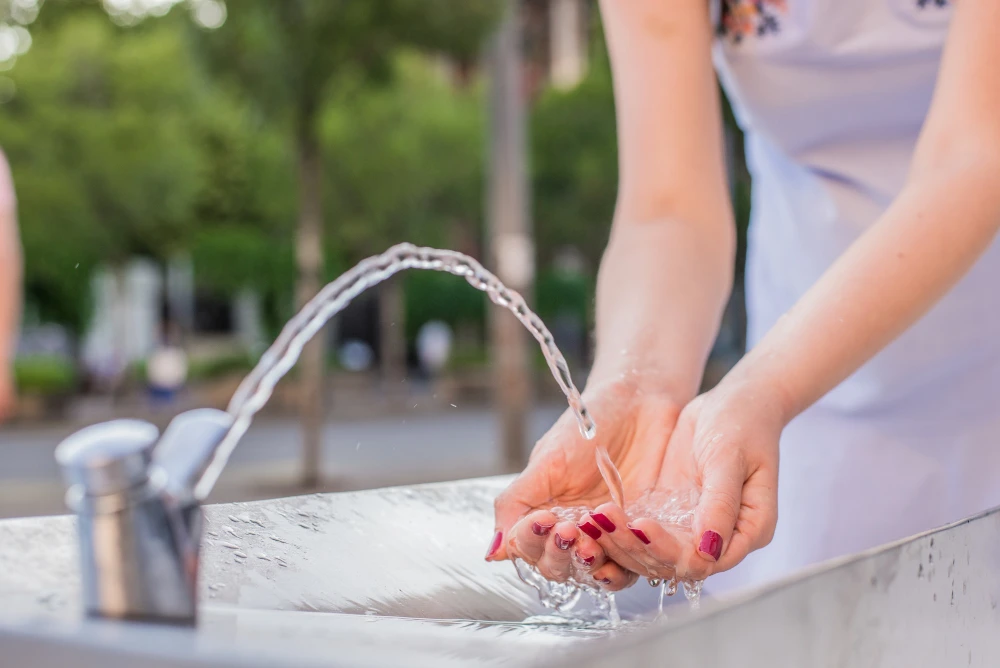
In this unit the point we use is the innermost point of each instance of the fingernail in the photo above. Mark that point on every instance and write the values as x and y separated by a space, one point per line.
585 562
495 545
541 529
604 522
639 534
564 544
604 581
711 544
590 530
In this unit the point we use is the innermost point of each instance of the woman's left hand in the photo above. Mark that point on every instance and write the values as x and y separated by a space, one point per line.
725 445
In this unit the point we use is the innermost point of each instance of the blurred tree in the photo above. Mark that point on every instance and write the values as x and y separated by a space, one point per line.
286 55
575 164
415 174
98 133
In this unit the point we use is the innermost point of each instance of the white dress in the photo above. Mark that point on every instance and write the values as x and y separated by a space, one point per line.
832 95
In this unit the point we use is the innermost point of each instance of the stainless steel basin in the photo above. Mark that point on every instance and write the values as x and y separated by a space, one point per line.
368 578
395 577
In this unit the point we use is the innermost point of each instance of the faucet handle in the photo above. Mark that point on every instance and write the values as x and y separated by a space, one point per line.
187 446
109 457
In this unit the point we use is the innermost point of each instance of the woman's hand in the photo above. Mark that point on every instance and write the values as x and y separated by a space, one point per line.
725 444
634 423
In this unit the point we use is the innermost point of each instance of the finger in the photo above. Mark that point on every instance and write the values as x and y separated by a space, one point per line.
756 521
529 534
715 516
588 553
618 542
613 577
664 548
555 563
528 491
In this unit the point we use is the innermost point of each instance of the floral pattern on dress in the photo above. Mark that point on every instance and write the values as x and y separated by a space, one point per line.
743 18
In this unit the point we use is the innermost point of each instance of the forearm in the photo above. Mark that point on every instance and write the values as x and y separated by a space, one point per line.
668 267
927 240
10 288
660 295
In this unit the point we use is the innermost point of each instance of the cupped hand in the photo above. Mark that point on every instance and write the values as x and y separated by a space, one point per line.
725 445
634 424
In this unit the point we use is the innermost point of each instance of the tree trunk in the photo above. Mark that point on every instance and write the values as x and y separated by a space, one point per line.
509 233
392 336
309 261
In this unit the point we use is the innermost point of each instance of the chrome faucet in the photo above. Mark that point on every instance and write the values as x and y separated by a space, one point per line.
137 497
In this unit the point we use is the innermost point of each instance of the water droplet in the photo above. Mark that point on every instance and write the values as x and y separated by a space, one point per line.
240 555
453 406
304 525
217 586
233 519
261 555
277 540
231 531
231 546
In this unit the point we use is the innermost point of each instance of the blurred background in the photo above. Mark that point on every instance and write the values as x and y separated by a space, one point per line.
189 171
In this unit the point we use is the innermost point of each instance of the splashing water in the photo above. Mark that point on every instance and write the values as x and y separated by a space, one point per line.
672 509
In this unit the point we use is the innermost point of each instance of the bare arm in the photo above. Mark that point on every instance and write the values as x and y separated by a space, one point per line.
10 282
667 270
946 216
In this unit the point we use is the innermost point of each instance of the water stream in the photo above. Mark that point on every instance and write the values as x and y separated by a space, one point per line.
255 390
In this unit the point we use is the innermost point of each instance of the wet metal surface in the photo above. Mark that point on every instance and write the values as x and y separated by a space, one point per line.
396 577
365 575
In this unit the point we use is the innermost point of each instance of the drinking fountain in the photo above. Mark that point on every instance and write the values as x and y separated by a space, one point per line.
393 577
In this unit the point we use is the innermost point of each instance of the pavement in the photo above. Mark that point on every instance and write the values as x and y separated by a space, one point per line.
405 448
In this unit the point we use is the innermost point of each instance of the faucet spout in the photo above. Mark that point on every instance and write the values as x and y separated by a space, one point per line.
188 447
138 519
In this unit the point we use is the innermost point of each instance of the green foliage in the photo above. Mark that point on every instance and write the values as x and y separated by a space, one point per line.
575 164
220 366
285 54
46 376
558 293
228 259
404 161
436 296
103 158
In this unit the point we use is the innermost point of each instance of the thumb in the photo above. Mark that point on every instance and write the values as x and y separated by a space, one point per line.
719 507
528 491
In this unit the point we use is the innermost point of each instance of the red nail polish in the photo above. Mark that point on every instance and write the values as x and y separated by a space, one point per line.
590 530
541 529
495 545
564 544
711 544
639 534
604 522
589 561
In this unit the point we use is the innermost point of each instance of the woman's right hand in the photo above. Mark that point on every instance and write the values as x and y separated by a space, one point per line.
634 425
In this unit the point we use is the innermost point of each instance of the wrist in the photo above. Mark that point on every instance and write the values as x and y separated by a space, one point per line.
643 375
755 379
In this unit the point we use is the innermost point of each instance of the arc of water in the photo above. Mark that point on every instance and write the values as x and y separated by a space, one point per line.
258 386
